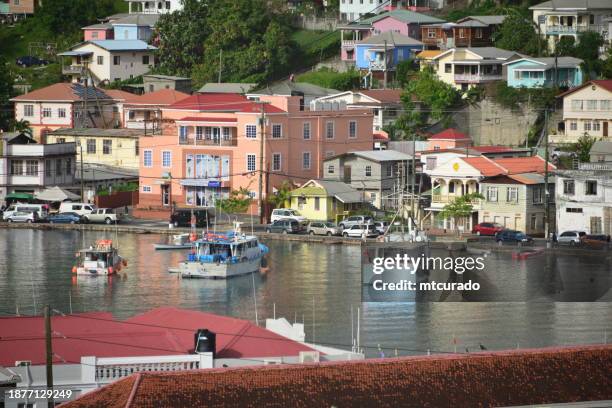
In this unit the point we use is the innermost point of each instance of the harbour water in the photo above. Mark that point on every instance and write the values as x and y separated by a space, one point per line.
543 301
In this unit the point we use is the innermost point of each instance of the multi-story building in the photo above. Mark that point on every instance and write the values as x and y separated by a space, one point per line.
108 60
544 72
14 10
154 6
111 147
27 167
472 31
210 145
145 111
448 139
587 110
386 104
100 31
584 199
64 105
467 67
135 27
377 173
560 18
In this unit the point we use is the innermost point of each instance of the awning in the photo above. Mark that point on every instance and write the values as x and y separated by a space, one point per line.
74 53
56 194
200 183
19 196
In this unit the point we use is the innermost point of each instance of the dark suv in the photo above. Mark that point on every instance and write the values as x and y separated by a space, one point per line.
512 236
285 226
182 217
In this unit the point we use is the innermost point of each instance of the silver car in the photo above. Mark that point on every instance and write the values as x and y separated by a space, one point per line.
571 237
22 216
323 228
359 231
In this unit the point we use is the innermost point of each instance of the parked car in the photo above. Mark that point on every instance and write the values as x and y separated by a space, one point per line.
105 215
557 153
29 61
64 218
570 237
355 220
181 217
284 226
79 208
595 241
357 231
381 226
39 209
512 236
23 216
323 228
288 213
487 228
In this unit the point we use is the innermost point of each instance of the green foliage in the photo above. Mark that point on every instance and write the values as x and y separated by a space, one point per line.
583 147
6 92
460 207
314 46
327 78
61 16
117 188
475 8
587 49
606 66
565 47
517 33
282 196
515 98
237 202
22 126
404 70
121 83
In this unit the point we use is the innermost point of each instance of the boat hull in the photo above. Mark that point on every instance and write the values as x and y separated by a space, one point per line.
98 271
218 270
170 247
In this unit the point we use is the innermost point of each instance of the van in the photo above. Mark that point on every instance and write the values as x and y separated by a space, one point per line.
79 208
39 209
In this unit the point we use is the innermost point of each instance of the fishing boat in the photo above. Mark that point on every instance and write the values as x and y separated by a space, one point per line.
222 256
99 259
179 241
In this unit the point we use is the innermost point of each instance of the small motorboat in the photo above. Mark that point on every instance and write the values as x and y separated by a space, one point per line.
99 259
180 241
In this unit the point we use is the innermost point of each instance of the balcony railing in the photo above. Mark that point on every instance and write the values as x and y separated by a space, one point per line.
348 43
111 369
378 65
564 29
208 142
72 70
447 198
595 166
477 77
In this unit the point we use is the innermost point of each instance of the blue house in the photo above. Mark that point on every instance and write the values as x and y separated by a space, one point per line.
135 27
540 72
369 53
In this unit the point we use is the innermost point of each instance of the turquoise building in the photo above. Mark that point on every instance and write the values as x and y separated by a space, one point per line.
544 72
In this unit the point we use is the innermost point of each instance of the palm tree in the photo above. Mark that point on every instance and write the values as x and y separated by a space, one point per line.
22 126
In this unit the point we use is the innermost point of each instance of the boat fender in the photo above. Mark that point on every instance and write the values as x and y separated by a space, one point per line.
74 269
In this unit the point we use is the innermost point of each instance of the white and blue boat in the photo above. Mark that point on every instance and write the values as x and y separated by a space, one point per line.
222 256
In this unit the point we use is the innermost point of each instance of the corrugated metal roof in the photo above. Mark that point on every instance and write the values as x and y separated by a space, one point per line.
91 132
489 20
406 16
601 147
289 87
491 52
382 155
227 87
138 19
342 191
573 4
122 45
391 38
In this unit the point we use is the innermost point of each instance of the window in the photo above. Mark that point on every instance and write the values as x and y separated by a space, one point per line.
226 133
145 60
107 146
448 68
61 112
91 146
116 60
48 168
100 59
596 126
69 166
568 187
16 167
517 75
166 159
573 210
512 195
251 131
492 194
331 169
58 168
478 33
352 129
591 104
182 133
28 110
534 221
136 147
576 105
146 189
306 130
276 162
590 187
605 105
538 195
250 162
200 131
317 203
573 125
461 33
390 170
306 160
373 197
368 171
46 112
277 131
147 158
431 163
431 33
329 130
587 126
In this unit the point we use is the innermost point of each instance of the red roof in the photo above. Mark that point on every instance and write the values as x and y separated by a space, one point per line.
119 95
491 379
162 97
485 165
604 83
384 95
381 135
206 119
450 134
492 149
222 102
163 331
516 165
63 92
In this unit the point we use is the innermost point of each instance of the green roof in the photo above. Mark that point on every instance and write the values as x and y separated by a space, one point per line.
20 196
309 191
406 16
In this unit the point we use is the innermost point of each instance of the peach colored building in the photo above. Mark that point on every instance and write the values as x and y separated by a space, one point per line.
210 145
448 139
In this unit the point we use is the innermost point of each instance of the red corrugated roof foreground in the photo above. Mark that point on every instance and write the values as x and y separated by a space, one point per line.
492 149
519 377
163 331
384 95
486 166
222 102
515 165
450 134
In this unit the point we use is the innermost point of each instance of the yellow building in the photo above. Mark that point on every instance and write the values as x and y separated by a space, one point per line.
111 147
326 200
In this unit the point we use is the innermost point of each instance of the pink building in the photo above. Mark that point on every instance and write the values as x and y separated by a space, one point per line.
448 139
210 145
103 31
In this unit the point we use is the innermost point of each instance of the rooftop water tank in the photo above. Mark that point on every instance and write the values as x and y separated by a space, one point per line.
205 342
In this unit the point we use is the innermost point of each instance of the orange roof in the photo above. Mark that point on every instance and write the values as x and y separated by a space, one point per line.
427 54
484 165
381 135
491 379
119 95
449 134
384 95
516 165
64 92
162 97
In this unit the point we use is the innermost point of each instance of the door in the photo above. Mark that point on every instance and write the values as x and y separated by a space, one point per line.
165 191
347 174
605 129
216 135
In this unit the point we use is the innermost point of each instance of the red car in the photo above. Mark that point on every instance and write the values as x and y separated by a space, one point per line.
487 228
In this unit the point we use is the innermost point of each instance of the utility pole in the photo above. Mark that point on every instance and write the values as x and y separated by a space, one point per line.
262 139
82 175
413 180
49 353
220 64
547 207
385 67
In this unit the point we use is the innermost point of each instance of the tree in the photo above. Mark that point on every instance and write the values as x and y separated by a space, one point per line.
65 16
566 47
583 147
237 202
22 126
589 43
328 78
6 92
517 33
282 196
404 70
460 207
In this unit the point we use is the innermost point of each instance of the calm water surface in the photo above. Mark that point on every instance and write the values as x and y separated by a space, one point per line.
526 304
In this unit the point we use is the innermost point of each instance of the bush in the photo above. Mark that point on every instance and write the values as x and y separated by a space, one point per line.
328 78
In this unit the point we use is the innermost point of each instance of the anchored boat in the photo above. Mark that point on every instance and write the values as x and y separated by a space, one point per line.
180 241
223 256
100 259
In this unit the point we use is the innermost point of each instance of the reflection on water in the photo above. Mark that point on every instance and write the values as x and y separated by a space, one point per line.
35 270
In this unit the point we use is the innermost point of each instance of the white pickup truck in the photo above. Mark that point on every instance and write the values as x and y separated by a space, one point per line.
105 215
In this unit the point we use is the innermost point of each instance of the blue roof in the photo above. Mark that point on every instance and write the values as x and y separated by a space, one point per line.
123 45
